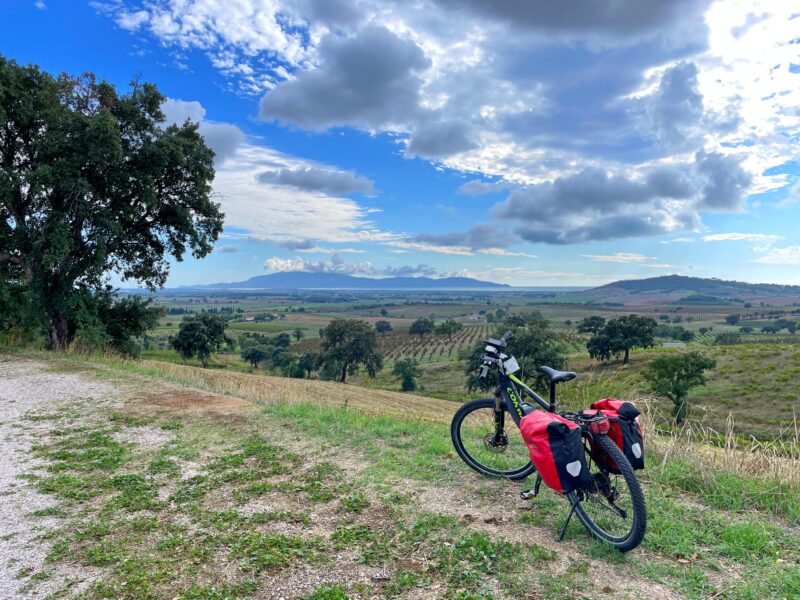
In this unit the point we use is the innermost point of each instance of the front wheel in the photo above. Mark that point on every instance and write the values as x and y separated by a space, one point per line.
612 509
489 441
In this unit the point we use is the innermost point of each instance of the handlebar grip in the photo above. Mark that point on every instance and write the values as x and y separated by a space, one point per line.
507 335
484 371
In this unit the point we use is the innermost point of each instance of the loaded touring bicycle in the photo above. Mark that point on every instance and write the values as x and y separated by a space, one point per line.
586 456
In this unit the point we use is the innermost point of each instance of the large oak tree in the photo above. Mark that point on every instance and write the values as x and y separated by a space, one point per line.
92 182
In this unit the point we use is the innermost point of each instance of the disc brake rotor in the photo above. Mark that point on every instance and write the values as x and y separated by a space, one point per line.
495 443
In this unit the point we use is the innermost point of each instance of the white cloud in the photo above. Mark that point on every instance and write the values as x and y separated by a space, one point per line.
659 266
426 247
504 252
738 237
526 93
789 255
284 214
338 265
792 198
40 5
618 257
222 138
678 240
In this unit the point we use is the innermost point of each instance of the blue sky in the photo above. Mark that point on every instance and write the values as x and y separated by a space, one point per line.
572 142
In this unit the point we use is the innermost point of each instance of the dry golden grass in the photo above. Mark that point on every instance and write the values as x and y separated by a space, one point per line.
265 390
776 460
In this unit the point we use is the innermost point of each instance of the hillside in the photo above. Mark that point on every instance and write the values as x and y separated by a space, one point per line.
679 288
298 280
168 481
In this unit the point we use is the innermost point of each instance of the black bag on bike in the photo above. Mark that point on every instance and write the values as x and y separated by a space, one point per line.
625 431
556 449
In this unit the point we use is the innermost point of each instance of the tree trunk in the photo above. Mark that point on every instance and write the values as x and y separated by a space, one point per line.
627 356
344 374
58 332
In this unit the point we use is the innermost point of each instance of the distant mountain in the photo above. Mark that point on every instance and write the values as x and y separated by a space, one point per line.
298 280
690 290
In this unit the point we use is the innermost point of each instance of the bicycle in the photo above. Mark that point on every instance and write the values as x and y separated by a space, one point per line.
485 434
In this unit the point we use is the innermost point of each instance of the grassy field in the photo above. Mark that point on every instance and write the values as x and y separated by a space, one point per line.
266 487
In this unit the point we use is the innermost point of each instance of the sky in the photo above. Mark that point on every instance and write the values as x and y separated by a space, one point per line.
557 142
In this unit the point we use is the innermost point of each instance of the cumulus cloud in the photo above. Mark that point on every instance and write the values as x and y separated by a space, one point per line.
317 179
440 139
337 264
369 80
726 181
621 18
480 236
222 138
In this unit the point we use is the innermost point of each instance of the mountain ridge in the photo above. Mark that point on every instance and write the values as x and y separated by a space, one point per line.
305 280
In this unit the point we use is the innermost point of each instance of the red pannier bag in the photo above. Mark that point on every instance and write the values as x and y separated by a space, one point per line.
625 431
556 450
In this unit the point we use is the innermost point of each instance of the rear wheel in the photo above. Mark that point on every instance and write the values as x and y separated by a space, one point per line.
490 442
613 509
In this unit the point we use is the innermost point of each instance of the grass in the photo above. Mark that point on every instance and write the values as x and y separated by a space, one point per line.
239 495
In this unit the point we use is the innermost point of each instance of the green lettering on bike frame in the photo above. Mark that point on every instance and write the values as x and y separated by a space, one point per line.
514 400
514 378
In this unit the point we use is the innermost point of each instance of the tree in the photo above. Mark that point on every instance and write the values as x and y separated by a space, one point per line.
384 312
308 362
350 344
92 183
591 324
383 327
621 335
449 328
298 334
674 375
407 369
733 319
282 340
255 355
199 335
421 327
533 344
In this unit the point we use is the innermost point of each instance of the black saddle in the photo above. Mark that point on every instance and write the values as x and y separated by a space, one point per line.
557 376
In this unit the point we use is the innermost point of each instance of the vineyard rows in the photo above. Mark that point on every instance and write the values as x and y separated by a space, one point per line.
433 348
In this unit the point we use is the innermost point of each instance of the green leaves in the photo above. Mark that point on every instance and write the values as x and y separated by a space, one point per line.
90 183
349 344
674 375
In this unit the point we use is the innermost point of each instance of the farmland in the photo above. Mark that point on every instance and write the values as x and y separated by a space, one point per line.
753 381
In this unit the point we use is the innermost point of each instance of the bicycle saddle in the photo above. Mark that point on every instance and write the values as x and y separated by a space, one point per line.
557 376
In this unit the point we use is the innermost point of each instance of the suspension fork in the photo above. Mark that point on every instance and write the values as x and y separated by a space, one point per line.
499 417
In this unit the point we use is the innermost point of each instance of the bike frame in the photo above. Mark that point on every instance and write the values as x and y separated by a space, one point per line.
507 398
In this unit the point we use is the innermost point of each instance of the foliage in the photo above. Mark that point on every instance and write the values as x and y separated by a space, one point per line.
308 362
592 324
733 319
91 182
532 343
282 340
383 327
255 355
421 327
350 343
298 334
408 371
620 336
449 328
727 339
674 375
199 335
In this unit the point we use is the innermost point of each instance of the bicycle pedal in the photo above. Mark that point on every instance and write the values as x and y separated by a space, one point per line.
529 494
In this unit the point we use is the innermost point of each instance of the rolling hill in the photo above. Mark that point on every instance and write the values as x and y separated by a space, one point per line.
691 290
298 280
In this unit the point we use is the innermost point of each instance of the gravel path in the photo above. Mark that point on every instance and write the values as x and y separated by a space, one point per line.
28 389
